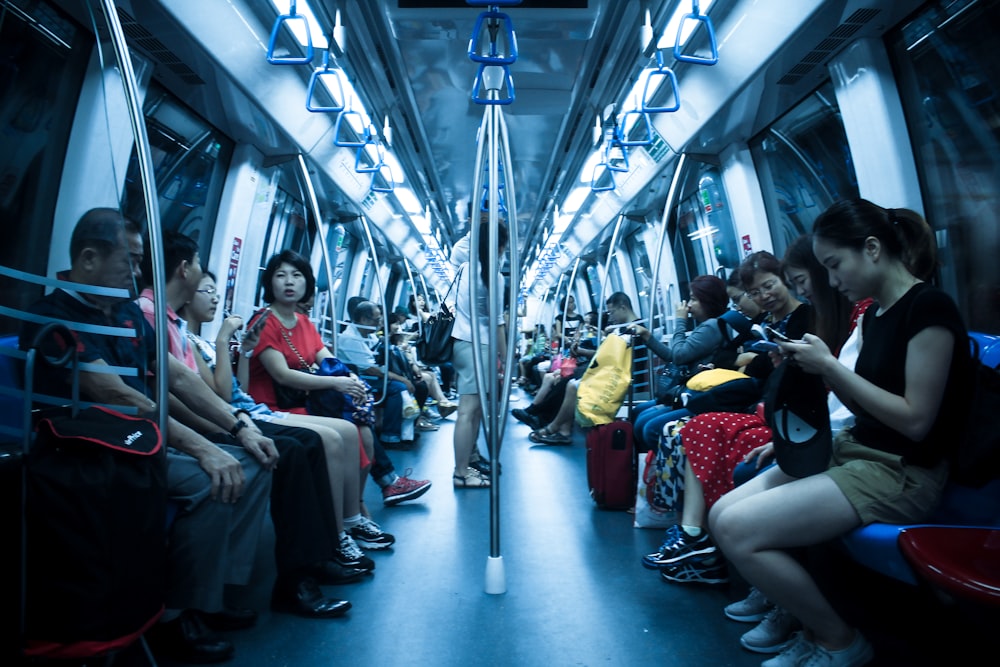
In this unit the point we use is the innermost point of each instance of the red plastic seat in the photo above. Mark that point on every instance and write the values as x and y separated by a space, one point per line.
962 561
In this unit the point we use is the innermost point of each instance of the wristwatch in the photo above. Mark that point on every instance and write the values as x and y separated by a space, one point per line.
248 353
237 427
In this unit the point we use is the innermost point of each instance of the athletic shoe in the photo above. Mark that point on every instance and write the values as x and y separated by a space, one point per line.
859 653
680 547
751 609
772 634
798 648
349 555
404 489
367 534
709 571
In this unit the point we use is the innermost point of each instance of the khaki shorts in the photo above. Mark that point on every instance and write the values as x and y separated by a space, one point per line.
880 486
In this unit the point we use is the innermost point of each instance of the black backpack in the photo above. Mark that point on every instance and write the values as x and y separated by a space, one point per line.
95 532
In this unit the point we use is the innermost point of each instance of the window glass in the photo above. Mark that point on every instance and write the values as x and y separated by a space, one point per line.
189 158
804 165
948 75
43 57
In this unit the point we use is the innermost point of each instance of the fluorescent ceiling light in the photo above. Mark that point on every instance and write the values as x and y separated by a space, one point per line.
408 200
315 29
703 233
576 198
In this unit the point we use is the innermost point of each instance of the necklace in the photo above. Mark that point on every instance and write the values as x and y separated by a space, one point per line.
283 322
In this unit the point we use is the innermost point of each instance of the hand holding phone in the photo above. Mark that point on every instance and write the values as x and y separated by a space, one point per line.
258 325
777 335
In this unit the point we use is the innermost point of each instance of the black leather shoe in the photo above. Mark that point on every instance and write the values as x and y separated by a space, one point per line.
306 599
482 465
230 618
525 417
187 639
331 573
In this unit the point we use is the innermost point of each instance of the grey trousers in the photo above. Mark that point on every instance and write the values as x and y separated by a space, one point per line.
211 544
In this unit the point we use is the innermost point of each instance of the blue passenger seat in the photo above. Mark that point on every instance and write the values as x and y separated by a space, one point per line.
879 546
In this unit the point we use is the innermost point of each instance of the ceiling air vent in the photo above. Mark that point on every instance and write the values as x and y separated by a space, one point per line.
828 46
144 40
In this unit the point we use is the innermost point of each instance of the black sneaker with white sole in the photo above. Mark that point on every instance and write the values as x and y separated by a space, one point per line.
351 556
369 535
711 570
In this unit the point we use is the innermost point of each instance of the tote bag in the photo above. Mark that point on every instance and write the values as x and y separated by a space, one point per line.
605 382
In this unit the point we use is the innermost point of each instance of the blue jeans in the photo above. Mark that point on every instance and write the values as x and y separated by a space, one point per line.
649 424
392 408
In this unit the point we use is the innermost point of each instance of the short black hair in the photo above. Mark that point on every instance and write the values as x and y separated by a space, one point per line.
296 260
99 228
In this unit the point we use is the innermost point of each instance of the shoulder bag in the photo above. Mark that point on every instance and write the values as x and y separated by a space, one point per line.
435 343
289 397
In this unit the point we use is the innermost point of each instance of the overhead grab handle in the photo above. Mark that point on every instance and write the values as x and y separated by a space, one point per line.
365 162
494 80
288 21
334 88
656 78
493 40
339 132
383 179
602 179
702 19
645 137
616 155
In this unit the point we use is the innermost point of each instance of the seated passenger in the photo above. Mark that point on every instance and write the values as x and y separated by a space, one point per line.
287 280
306 537
906 392
699 342
559 431
340 437
221 490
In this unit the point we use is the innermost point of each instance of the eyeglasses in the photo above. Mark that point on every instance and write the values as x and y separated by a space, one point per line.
766 287
208 290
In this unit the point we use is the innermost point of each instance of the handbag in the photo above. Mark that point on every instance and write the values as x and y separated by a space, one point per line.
605 382
337 404
287 397
435 343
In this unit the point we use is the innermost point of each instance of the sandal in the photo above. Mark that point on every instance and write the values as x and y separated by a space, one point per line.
445 409
555 439
473 479
424 425
536 436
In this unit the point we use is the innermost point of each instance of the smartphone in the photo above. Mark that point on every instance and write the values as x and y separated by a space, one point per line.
778 336
258 325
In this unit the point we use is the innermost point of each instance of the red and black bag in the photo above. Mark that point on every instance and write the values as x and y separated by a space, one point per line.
95 533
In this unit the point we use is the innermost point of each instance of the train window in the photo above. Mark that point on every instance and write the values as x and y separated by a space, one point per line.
190 158
43 58
948 77
804 165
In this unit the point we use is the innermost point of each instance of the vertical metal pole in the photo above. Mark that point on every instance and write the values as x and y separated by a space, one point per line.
382 300
321 231
661 238
145 162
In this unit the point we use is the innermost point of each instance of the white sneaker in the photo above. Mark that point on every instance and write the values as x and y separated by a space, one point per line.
798 648
859 653
751 609
772 634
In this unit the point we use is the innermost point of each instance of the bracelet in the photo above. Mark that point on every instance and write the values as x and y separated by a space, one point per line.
242 411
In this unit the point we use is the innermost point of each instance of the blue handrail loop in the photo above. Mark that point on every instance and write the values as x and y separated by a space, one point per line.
496 78
615 155
622 132
602 173
337 95
390 180
338 136
661 72
696 15
362 155
283 19
493 40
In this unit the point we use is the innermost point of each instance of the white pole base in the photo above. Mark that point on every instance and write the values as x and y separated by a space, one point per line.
496 580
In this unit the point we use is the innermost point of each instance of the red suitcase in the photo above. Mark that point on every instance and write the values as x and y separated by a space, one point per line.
611 465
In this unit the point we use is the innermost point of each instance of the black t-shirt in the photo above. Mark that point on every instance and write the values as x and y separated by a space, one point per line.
882 361
569 326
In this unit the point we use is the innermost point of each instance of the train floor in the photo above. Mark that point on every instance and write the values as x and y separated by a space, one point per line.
576 594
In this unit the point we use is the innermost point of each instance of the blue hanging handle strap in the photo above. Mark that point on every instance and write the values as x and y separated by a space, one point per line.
338 136
609 148
498 79
494 21
645 139
390 181
601 169
282 19
336 89
696 15
371 139
667 74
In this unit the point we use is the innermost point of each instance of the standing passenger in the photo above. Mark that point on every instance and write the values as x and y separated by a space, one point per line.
468 315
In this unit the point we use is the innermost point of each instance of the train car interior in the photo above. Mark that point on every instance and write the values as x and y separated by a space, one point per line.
607 146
